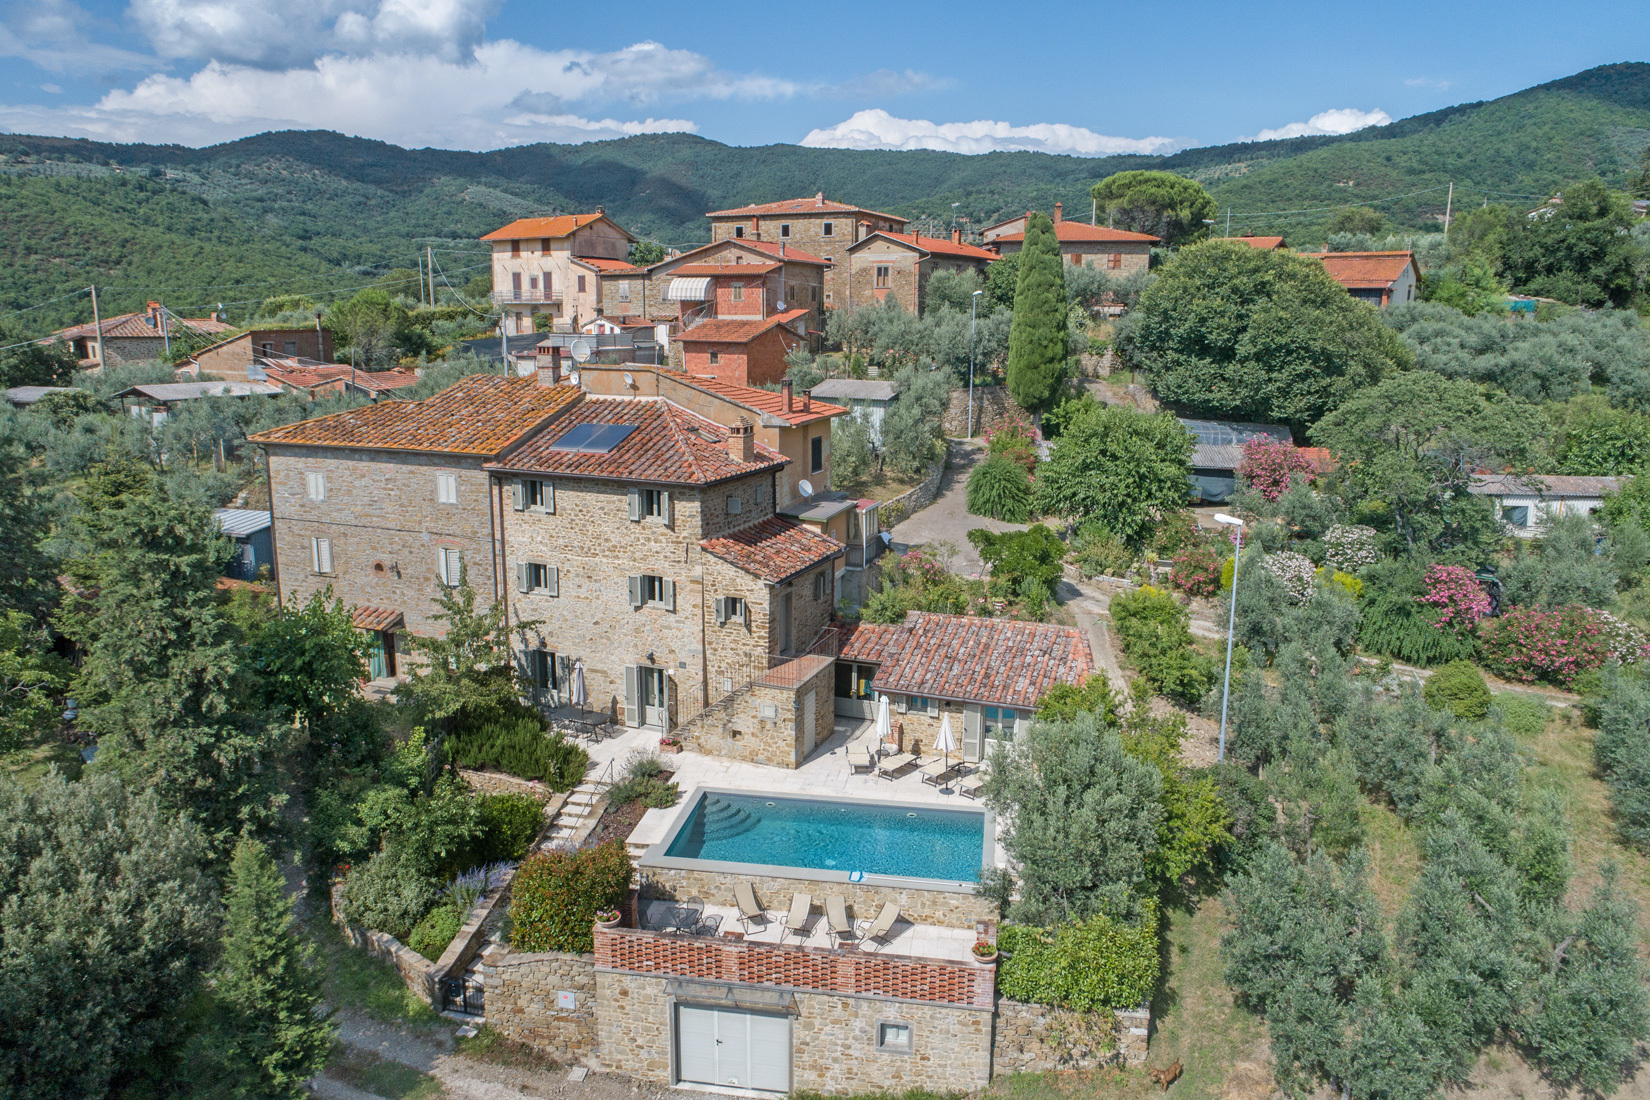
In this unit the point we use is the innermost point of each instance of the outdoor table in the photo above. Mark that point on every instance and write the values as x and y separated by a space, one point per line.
681 918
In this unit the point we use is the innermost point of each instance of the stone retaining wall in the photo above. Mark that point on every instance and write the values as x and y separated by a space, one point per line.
499 783
895 509
416 971
992 405
527 1001
1032 1038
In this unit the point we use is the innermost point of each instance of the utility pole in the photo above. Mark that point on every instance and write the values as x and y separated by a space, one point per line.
1228 223
166 328
420 261
429 259
973 310
1094 210
97 323
1449 207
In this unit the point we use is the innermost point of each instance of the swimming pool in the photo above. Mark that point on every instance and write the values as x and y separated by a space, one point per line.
845 836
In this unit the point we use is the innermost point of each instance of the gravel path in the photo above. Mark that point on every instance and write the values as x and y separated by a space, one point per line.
947 519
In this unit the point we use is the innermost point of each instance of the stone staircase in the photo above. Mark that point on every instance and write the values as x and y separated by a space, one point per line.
577 816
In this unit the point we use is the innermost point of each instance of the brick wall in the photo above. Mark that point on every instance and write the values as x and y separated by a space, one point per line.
523 1003
943 908
385 525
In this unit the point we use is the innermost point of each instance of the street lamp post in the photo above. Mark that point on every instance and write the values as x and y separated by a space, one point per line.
973 314
1231 622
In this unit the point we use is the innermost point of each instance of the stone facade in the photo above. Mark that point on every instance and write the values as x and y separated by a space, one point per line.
824 232
883 267
642 293
766 722
525 1003
992 406
230 358
384 525
1032 1038
960 908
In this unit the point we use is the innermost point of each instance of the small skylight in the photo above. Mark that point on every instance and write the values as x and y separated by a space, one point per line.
593 439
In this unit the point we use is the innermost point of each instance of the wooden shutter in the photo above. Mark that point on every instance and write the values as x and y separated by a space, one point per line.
669 594
518 495
523 584
902 703
632 696
664 506
325 546
721 610
1022 722
552 581
973 729
550 496
745 612
635 505
635 591
315 555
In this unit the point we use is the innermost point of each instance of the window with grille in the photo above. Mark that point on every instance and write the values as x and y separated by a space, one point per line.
715 358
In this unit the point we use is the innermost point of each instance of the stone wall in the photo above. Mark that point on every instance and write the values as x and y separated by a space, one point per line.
912 500
766 723
992 405
498 783
525 1003
944 908
1032 1038
416 971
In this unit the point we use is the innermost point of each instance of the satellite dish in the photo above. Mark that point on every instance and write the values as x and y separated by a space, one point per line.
805 487
629 380
781 305
581 351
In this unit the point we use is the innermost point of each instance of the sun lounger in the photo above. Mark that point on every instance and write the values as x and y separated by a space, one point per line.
971 784
836 916
859 757
745 898
935 771
888 765
797 919
878 930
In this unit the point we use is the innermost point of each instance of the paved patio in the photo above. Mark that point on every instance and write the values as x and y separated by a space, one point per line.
920 940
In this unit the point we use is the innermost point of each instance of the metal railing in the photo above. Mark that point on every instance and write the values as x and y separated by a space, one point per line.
526 297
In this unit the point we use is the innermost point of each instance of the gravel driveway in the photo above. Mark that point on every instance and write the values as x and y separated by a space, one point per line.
947 519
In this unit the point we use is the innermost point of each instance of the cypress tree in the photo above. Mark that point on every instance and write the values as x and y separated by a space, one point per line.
266 1034
1037 339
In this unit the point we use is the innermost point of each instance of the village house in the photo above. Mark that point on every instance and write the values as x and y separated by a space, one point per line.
240 357
885 264
643 544
787 274
818 225
311 379
1526 503
1118 252
1379 278
389 503
135 337
552 267
1263 244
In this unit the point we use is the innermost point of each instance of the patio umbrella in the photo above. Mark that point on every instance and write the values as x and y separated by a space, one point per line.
579 696
885 724
946 742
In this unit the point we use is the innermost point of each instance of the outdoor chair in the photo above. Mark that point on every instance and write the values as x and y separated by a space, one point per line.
888 765
935 771
836 917
709 926
860 758
797 919
745 897
970 784
880 929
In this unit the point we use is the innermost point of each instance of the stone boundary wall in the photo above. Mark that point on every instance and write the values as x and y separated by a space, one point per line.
992 405
499 783
945 908
416 971
895 509
853 972
525 1003
1033 1038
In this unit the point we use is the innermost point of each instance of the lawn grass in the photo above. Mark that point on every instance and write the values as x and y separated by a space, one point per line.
356 979
490 1045
1394 854
29 764
362 1069
881 485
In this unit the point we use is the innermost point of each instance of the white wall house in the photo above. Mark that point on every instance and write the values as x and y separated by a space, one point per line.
1525 503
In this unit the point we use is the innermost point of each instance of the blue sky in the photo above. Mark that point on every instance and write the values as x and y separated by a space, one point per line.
1065 77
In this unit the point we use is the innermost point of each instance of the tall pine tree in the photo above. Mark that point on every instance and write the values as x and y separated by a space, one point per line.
265 1033
1038 340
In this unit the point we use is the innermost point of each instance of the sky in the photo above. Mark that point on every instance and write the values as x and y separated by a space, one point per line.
1087 79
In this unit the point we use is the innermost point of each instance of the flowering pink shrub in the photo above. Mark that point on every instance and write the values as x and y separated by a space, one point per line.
1457 595
915 565
1196 571
1557 644
1268 466
1017 438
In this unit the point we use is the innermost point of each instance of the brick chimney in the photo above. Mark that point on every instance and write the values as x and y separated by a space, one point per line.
785 392
807 400
1058 207
154 314
551 375
742 441
819 199
756 226
956 235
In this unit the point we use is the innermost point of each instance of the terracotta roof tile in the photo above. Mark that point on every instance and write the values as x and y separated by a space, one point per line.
670 445
607 266
994 661
479 415
734 244
725 269
869 642
1364 270
375 618
133 325
560 226
810 205
939 246
1265 244
1082 231
736 330
763 401
774 549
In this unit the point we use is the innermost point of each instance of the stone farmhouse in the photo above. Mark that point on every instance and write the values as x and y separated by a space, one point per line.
553 267
818 225
886 265
241 357
134 337
1116 251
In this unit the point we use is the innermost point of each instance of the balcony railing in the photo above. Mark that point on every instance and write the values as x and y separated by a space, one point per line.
526 297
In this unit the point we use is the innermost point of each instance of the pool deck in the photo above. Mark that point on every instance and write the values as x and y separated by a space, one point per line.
824 774
918 940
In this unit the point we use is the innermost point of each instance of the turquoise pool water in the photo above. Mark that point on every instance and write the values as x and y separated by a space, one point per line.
912 842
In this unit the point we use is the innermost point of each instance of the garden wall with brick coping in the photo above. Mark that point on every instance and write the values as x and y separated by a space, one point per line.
1032 1038
943 908
524 1002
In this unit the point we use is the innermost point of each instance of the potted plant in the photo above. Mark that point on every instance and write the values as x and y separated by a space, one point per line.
985 952
607 918
670 744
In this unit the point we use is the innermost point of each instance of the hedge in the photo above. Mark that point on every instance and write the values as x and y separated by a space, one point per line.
555 896
1098 963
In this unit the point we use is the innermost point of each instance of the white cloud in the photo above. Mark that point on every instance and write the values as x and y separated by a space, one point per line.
53 34
1339 120
1425 82
877 129
883 84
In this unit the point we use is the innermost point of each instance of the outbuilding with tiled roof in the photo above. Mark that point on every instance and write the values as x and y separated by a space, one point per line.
775 549
135 337
1379 278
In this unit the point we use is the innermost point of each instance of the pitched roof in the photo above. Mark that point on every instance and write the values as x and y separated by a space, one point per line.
998 661
815 204
242 521
732 244
28 395
861 389
737 330
726 269
189 391
478 415
937 246
1364 270
384 381
375 618
869 642
562 225
1265 244
130 325
669 445
607 266
1548 486
774 549
762 401
1082 231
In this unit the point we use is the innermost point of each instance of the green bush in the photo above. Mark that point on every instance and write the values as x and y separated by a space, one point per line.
1000 488
1088 965
1099 553
511 822
1459 688
555 896
520 746
1523 715
387 894
1153 630
642 783
432 935
1395 625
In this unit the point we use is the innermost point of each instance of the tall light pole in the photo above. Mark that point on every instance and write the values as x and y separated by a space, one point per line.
973 313
1231 622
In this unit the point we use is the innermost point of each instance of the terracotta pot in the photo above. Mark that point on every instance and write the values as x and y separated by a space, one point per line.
671 749
614 923
984 960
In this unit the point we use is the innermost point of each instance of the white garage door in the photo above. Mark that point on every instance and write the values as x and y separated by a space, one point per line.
734 1049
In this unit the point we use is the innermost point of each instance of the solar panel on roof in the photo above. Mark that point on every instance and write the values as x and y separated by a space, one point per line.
596 439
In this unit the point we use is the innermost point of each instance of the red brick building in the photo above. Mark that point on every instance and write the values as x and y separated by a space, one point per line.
742 351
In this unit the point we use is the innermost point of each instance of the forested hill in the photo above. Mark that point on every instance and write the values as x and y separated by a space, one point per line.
231 221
